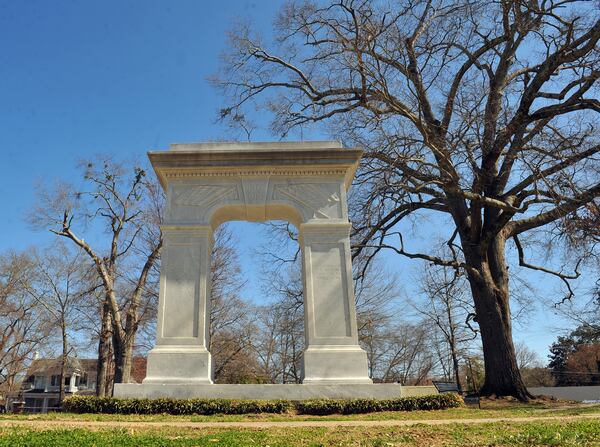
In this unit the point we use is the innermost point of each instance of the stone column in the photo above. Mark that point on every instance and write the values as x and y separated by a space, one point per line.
181 354
332 354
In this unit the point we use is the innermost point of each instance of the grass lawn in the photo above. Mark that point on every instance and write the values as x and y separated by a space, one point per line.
555 432
579 433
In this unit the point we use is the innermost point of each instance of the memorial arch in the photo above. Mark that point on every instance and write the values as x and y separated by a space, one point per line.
304 183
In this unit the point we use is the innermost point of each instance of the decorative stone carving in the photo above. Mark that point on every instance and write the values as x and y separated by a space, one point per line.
319 199
204 195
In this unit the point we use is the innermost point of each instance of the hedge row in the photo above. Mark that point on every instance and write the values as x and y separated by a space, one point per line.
109 405
356 406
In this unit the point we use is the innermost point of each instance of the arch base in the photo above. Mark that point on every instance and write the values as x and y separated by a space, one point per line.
333 365
179 365
268 392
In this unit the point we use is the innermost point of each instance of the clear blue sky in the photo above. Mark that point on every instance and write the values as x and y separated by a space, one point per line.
79 78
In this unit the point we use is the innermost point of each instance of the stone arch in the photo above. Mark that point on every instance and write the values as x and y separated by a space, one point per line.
303 183
227 213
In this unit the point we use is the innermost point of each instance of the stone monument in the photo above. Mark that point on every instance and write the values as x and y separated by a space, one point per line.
304 183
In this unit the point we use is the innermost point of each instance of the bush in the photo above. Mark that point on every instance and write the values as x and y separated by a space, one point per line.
110 405
356 406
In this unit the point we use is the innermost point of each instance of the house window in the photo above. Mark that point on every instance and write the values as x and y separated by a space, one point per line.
55 381
67 380
40 382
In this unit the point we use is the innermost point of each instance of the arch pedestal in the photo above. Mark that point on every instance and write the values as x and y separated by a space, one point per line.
208 184
181 351
332 353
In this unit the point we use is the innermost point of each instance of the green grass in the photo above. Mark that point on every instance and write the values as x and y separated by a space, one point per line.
556 432
574 433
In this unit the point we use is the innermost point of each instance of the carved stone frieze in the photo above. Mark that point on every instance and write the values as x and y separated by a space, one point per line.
204 195
322 201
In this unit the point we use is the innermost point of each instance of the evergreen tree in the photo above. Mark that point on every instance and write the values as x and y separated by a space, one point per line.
567 345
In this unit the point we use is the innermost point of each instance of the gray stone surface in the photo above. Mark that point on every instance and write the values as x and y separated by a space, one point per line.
206 184
287 391
579 393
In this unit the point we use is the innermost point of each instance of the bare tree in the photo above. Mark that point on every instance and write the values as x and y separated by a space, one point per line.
377 295
234 358
126 205
526 357
448 310
399 352
95 326
230 329
279 341
481 115
22 328
54 282
227 307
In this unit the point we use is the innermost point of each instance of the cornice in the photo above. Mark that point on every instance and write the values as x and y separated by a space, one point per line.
240 159
174 173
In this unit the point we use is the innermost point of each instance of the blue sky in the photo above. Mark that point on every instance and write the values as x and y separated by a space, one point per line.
78 78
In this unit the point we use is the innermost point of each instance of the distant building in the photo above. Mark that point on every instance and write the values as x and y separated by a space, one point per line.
40 389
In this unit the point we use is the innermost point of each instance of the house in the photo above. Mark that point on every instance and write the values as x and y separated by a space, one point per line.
40 389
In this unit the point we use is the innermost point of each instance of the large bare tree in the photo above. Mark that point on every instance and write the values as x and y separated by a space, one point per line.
122 202
480 116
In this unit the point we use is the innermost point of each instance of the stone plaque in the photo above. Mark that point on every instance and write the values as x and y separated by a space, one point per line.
329 291
181 286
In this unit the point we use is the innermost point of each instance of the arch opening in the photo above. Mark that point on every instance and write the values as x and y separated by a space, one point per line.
257 328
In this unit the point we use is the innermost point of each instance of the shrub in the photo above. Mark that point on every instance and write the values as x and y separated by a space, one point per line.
356 406
110 405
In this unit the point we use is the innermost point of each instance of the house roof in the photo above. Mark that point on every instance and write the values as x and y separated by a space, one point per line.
47 367
52 366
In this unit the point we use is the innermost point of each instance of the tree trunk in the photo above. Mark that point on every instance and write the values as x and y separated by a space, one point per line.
104 353
123 357
452 343
456 367
63 364
491 298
